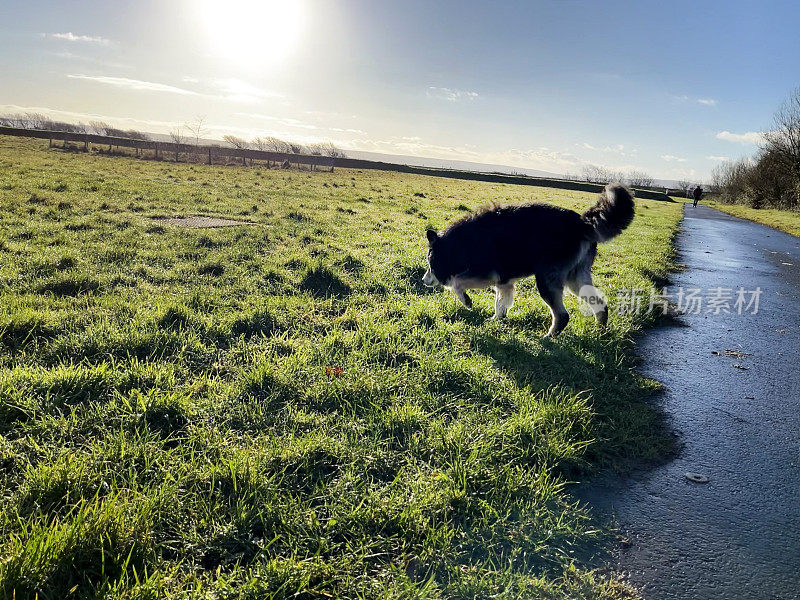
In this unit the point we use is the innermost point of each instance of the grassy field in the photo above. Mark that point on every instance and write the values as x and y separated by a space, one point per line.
779 219
282 409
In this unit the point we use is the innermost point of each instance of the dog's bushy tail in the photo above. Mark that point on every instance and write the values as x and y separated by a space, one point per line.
612 213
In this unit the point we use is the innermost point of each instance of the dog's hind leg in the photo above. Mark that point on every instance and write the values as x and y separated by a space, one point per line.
503 300
580 284
552 292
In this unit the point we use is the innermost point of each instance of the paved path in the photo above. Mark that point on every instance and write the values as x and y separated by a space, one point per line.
737 536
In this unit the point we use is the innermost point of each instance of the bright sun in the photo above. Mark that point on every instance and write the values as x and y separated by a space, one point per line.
253 32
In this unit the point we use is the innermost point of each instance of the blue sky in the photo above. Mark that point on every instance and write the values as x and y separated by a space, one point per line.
669 88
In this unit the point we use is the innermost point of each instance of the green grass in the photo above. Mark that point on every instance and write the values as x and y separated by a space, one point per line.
785 220
283 410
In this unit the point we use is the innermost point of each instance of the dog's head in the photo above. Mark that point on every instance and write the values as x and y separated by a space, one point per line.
438 272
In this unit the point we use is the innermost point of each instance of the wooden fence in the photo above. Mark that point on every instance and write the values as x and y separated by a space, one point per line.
207 153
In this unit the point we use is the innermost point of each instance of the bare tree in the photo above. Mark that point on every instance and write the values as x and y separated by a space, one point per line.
135 134
329 149
197 127
11 120
270 144
99 127
179 139
236 142
772 177
783 140
276 144
638 179
597 174
39 121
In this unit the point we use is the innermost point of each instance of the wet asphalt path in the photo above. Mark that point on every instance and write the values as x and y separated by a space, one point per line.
738 418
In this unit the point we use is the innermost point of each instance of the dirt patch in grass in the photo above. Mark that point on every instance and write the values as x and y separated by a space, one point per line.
200 222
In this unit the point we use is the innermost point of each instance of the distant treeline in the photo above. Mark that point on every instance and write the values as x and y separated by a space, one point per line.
325 156
195 129
597 174
44 123
770 179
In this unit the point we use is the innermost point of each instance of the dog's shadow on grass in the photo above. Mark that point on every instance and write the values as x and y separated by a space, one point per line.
632 426
554 363
628 429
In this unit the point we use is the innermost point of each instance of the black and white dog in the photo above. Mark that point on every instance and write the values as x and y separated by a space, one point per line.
496 247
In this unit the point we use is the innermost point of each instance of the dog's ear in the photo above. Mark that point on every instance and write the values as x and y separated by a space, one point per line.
432 236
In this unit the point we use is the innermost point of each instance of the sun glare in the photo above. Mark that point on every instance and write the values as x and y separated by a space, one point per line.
253 33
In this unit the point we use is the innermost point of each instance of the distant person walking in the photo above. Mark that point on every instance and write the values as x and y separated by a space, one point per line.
697 194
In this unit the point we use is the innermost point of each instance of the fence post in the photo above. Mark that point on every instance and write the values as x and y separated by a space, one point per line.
51 141
86 143
65 140
156 150
209 155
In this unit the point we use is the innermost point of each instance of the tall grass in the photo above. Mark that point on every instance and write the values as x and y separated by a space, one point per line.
282 410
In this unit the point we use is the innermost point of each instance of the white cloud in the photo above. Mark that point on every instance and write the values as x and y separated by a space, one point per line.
281 120
135 84
71 37
542 158
231 90
413 146
682 173
672 158
703 101
297 124
339 130
451 95
618 149
753 138
237 90
718 158
72 56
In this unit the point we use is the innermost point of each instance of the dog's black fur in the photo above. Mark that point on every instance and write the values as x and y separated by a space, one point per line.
557 246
